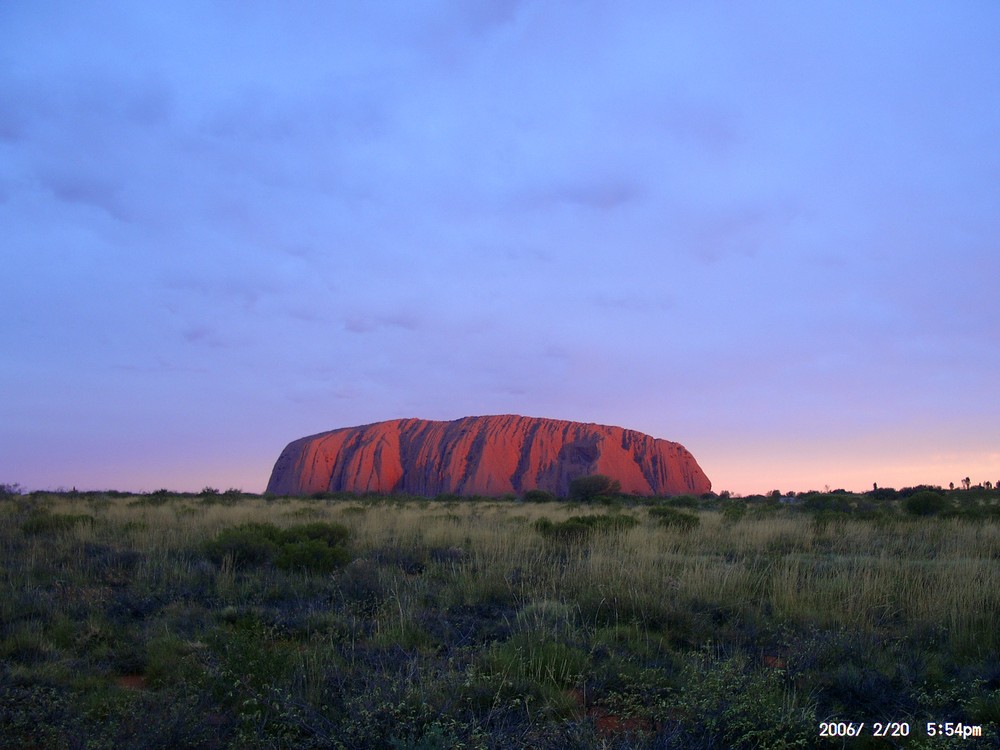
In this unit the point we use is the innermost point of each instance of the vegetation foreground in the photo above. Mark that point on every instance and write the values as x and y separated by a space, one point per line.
227 620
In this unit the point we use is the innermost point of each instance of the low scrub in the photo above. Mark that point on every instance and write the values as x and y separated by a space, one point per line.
593 487
316 547
541 661
539 496
50 523
311 554
674 519
926 503
683 501
580 527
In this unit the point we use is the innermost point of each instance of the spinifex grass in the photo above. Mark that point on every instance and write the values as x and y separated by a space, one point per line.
472 624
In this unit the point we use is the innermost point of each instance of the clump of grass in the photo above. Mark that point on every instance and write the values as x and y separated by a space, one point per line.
540 660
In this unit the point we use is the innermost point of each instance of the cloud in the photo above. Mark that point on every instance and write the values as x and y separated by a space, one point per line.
12 122
159 367
634 305
406 321
81 188
206 335
681 217
214 285
598 195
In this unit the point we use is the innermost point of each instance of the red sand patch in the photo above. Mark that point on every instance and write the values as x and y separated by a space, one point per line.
132 681
609 724
774 662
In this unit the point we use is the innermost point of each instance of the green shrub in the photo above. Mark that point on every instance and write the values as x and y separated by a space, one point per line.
683 501
538 660
589 488
578 527
926 503
538 496
51 523
309 546
985 708
568 530
313 555
820 502
330 534
674 519
734 511
10 491
171 660
727 704
248 544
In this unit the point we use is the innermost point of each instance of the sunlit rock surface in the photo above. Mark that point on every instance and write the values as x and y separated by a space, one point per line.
489 456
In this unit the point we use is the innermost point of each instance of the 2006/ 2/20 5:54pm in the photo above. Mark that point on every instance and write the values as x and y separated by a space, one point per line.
898 729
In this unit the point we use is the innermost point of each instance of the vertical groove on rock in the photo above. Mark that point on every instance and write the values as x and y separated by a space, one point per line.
523 462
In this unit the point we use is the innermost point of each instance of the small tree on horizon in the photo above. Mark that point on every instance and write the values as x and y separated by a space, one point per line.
10 490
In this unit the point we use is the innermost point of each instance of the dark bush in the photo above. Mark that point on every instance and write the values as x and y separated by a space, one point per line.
683 501
248 544
311 554
568 530
9 491
331 534
674 519
310 546
882 493
51 523
589 488
827 502
926 503
906 492
538 496
734 510
578 527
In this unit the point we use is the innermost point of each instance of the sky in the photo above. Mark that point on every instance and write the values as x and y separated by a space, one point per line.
767 231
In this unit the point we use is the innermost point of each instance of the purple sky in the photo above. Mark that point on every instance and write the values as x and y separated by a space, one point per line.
766 231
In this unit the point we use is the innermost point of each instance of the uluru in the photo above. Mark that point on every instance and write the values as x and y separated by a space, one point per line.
486 456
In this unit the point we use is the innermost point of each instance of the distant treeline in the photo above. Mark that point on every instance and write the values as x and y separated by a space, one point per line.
973 501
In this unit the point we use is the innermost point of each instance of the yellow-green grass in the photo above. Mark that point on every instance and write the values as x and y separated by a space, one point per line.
806 614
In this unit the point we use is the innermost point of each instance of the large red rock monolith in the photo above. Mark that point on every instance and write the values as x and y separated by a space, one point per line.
489 456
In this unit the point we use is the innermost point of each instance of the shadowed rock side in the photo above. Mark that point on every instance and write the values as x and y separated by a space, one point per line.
482 456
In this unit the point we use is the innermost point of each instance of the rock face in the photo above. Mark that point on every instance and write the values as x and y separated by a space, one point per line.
487 456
